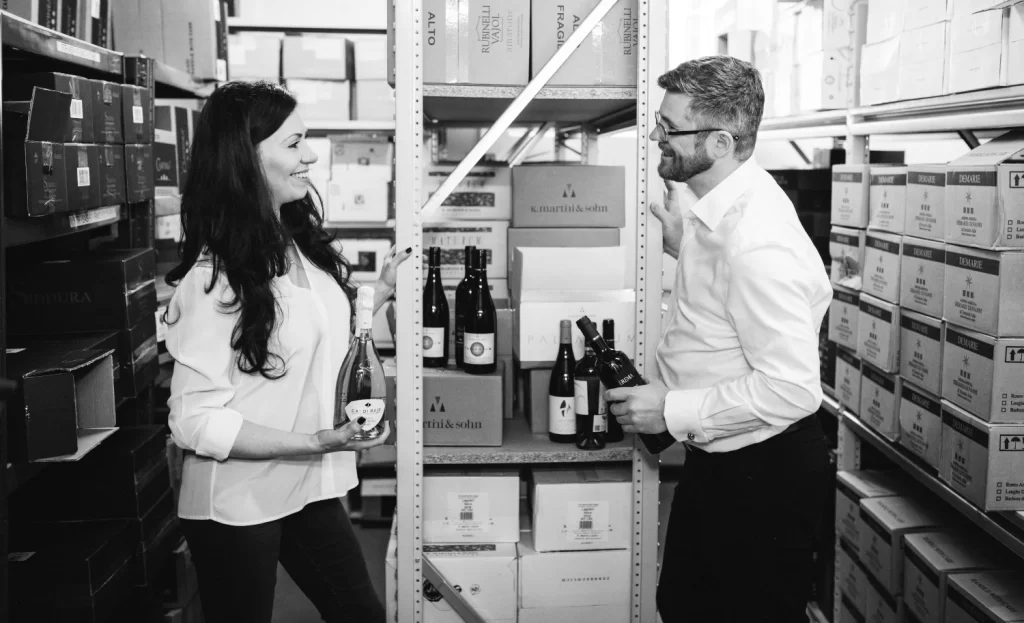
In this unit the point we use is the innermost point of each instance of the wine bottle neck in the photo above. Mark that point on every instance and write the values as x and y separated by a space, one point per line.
364 322
599 344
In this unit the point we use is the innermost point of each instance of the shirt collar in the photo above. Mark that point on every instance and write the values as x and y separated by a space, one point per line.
712 207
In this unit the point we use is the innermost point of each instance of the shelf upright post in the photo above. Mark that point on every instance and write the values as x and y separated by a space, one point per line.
652 61
3 374
409 164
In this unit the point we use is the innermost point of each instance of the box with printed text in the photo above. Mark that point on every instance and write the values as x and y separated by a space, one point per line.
932 558
886 522
982 462
847 248
854 486
880 401
581 509
843 313
984 290
850 192
462 506
887 199
982 374
882 266
848 378
926 202
985 195
921 351
923 273
879 329
921 424
985 596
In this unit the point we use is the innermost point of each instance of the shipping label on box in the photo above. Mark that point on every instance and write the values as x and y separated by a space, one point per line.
453 238
847 247
984 290
921 351
983 462
880 402
471 507
853 579
848 377
886 521
879 329
581 509
923 272
851 488
843 314
535 322
921 424
83 176
484 195
607 57
882 266
931 558
986 596
850 192
887 199
568 196
982 374
926 201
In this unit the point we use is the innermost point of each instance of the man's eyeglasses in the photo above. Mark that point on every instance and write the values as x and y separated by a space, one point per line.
664 133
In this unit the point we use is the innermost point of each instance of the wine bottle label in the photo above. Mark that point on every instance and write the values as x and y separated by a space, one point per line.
372 409
586 523
601 423
561 415
469 513
478 348
433 341
590 397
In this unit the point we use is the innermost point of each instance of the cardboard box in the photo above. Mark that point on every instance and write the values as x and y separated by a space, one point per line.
881 606
172 131
536 316
254 56
485 194
880 401
572 579
984 290
373 100
926 201
923 272
607 57
322 100
317 57
108 112
972 28
932 558
850 191
879 329
921 351
577 614
536 383
843 313
80 122
848 376
111 177
923 62
476 42
82 171
491 570
920 13
138 162
577 509
371 59
358 195
581 269
880 72
977 69
136 115
454 237
983 192
885 20
887 198
137 26
547 237
993 595
886 521
137 357
847 247
562 195
195 37
921 424
1015 60
461 506
34 169
854 486
981 461
851 576
882 266
982 375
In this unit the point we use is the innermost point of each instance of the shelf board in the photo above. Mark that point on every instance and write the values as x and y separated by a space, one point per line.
19 231
241 23
351 126
831 405
476 104
1007 528
23 35
520 446
180 82
88 440
826 124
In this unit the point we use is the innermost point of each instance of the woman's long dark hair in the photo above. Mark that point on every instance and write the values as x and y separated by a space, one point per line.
227 215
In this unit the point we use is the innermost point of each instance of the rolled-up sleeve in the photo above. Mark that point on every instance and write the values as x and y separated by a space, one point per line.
199 340
769 304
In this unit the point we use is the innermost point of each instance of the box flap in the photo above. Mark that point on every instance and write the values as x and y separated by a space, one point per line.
51 358
944 552
48 115
1004 148
873 483
902 513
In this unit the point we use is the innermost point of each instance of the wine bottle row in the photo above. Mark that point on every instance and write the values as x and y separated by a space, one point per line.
476 319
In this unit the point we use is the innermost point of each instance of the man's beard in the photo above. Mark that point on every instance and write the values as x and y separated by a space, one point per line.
681 168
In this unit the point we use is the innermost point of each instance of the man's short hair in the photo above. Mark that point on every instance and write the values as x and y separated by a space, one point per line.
726 93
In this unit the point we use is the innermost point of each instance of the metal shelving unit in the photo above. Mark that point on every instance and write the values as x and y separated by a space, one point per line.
172 82
21 34
28 230
236 24
596 109
351 126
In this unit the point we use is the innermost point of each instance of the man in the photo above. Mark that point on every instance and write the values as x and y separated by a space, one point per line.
738 364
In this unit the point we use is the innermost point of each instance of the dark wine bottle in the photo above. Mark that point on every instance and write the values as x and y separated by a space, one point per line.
435 315
561 397
591 407
614 428
361 390
462 302
616 370
478 354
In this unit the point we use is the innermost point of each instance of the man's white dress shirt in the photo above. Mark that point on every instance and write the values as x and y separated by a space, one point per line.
740 350
210 398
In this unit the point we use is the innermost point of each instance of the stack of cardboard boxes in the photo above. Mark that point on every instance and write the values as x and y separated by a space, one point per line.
189 35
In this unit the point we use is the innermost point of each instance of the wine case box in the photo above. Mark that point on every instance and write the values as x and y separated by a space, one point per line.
138 24
847 247
553 237
850 193
848 380
887 199
485 194
576 614
462 506
984 290
982 375
34 167
854 486
882 266
880 401
196 37
853 577
607 57
555 580
921 424
926 202
580 269
576 509
568 196
136 115
921 351
172 138
879 330
373 100
107 112
112 181
79 121
317 57
82 171
931 560
881 606
536 384
490 569
923 271
476 42
454 237
983 191
848 612
985 596
322 100
982 462
886 521
371 59
255 56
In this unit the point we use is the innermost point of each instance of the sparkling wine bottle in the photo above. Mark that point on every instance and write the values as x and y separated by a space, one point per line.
614 428
462 303
361 391
561 390
478 348
591 407
435 315
616 370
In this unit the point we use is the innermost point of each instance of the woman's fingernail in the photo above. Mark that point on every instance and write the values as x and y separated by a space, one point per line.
409 250
361 420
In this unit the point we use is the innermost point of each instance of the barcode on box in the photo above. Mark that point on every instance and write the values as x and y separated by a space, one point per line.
83 176
586 525
466 516
76 109
77 52
137 115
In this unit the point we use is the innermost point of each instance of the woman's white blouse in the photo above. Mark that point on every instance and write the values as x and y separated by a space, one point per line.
210 398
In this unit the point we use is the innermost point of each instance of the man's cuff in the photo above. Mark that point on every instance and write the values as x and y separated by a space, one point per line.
682 414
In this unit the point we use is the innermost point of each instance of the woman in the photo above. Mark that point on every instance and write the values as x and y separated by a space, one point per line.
259 326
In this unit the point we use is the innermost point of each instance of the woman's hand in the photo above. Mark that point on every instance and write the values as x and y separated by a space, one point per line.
332 440
389 273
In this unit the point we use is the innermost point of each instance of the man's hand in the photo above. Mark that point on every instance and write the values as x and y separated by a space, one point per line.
639 409
671 217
